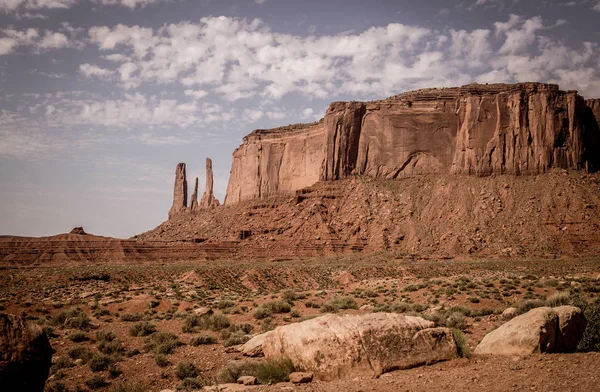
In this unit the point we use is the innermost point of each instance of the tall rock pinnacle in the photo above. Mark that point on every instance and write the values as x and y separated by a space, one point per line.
194 201
208 198
180 191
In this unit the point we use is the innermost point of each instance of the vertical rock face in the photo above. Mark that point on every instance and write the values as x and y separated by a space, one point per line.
194 202
208 198
25 355
525 128
277 160
179 191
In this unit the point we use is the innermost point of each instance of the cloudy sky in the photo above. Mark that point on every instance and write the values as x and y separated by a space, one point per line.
100 99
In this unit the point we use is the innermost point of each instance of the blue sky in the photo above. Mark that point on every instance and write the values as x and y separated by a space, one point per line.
100 99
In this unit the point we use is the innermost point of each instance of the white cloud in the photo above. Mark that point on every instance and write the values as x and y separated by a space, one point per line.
128 3
89 70
10 39
53 41
12 5
596 7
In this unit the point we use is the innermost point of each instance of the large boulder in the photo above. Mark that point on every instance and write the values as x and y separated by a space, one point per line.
541 330
25 355
571 326
335 346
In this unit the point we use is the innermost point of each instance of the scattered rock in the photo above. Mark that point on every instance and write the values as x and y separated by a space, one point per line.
336 346
247 380
228 388
538 331
254 347
301 378
509 313
203 311
25 355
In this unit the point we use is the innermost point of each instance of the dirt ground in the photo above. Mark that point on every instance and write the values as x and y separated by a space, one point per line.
466 295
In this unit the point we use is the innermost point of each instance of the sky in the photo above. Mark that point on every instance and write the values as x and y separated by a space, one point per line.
100 99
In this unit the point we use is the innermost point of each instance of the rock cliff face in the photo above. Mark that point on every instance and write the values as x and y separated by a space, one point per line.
208 198
525 128
179 191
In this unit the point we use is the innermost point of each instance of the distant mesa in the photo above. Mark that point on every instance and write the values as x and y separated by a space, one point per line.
78 230
519 129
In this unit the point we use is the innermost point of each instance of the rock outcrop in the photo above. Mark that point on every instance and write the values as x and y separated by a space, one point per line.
25 355
194 202
338 346
78 230
179 191
525 128
541 330
208 198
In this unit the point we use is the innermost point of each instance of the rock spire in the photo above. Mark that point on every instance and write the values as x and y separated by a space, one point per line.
208 198
179 191
194 201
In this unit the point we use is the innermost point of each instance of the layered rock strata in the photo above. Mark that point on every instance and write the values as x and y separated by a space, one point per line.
525 128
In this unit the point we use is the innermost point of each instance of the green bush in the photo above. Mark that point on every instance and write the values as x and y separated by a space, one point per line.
236 338
96 382
131 317
82 353
225 304
110 347
203 339
73 318
78 337
161 360
99 362
162 343
559 298
186 369
591 337
273 371
108 336
129 387
336 304
236 369
215 322
269 308
143 328
62 363
461 344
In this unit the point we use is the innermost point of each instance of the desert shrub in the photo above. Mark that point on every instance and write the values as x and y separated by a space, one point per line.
62 363
448 318
591 336
153 304
527 305
225 304
161 360
295 313
236 338
107 336
559 298
99 362
236 369
110 347
162 343
131 317
215 322
143 328
269 308
73 318
114 371
339 303
78 337
203 338
461 343
96 382
100 312
186 369
56 387
129 387
82 353
273 371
